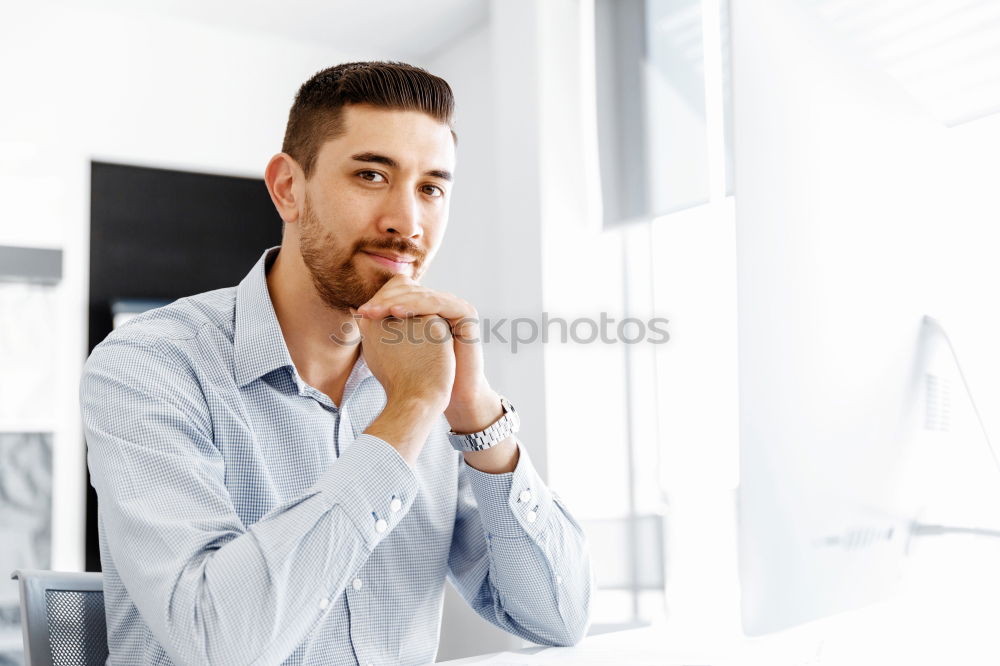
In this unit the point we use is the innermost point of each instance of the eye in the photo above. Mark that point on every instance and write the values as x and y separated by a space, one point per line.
372 176
433 190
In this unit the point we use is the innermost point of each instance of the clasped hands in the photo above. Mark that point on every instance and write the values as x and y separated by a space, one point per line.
424 348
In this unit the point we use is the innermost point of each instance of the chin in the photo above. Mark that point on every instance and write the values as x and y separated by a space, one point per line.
373 275
370 284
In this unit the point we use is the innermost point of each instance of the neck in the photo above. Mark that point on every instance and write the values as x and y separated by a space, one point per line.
307 324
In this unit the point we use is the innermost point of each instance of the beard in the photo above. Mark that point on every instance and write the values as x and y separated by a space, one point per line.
331 264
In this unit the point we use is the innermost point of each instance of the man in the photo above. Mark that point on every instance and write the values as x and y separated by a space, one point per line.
276 477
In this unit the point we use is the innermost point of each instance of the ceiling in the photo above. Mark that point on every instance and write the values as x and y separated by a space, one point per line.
388 28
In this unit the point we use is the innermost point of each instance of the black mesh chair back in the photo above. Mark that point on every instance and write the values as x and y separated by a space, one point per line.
62 618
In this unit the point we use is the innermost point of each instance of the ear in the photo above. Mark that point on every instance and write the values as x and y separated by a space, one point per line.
286 184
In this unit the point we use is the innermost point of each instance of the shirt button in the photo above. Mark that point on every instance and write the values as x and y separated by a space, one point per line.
357 584
525 496
395 505
324 602
532 516
381 525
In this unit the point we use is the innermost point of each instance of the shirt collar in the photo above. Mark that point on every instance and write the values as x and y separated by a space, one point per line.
258 345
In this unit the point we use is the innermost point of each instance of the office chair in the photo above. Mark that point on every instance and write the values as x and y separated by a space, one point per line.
62 618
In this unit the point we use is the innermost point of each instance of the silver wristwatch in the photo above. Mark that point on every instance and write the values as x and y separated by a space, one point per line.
503 428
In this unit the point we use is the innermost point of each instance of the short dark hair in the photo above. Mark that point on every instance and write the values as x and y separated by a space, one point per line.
317 114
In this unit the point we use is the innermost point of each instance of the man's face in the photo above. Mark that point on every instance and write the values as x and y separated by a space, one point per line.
376 203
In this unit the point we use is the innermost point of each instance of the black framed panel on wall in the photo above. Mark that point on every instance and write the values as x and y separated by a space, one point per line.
157 235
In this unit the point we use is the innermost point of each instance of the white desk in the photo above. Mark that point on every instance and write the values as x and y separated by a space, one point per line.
957 627
650 647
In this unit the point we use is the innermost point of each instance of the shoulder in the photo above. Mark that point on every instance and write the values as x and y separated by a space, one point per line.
184 318
173 340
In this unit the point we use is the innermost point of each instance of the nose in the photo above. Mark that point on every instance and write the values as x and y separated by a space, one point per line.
401 215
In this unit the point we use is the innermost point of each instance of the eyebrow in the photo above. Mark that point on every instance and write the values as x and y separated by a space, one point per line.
393 164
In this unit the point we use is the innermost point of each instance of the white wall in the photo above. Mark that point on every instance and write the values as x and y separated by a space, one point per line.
81 84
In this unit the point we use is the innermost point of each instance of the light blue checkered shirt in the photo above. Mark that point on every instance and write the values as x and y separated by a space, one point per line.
240 509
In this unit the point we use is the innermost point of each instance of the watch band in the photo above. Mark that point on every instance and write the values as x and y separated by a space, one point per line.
501 429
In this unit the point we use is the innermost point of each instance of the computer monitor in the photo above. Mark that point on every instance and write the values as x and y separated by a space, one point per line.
857 213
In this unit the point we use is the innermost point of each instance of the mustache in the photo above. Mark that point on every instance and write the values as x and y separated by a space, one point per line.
397 245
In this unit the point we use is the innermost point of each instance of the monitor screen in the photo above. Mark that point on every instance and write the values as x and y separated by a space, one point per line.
857 213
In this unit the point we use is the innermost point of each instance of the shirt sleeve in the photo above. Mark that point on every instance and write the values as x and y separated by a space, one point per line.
211 589
518 557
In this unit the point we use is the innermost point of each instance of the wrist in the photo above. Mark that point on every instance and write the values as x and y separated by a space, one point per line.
404 424
475 413
499 459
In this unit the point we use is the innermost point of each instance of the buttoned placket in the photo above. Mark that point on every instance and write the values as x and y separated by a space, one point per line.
344 435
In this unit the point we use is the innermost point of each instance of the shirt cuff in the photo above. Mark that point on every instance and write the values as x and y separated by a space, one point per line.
374 486
514 504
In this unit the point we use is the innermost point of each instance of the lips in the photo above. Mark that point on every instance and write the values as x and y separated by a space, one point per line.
398 258
396 263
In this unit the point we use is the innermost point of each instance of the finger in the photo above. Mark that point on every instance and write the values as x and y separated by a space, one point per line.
379 307
382 301
438 329
461 316
466 328
394 289
427 303
396 283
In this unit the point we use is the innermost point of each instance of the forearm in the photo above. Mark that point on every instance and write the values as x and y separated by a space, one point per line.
405 424
540 587
213 593
538 581
255 599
